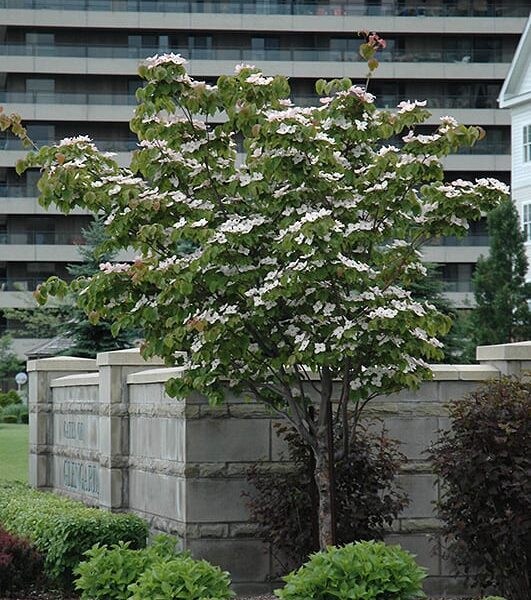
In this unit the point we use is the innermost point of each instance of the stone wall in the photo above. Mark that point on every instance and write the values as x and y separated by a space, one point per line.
106 432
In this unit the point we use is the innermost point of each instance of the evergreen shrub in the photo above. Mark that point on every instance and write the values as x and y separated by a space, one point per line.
63 529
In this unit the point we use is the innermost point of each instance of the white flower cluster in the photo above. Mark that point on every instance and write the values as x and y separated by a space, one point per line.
163 59
493 184
239 68
357 91
108 267
241 224
297 113
82 140
421 139
309 217
259 79
353 264
407 106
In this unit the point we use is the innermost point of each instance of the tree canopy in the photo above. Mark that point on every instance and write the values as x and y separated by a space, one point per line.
502 295
304 225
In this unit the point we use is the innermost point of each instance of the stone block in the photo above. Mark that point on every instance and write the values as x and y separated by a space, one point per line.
455 390
448 587
425 549
157 494
414 434
216 500
428 391
279 446
422 492
246 560
227 440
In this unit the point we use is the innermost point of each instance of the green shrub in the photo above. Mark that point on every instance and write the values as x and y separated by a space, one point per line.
484 463
9 418
362 571
63 529
10 397
182 578
19 411
106 573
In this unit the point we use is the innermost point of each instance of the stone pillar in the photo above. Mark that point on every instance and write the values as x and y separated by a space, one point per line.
114 368
41 372
510 359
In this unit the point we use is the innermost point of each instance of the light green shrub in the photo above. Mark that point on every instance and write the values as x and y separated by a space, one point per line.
63 529
183 578
106 573
10 397
361 571
18 411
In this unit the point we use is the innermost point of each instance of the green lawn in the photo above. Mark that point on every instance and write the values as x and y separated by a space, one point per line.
13 452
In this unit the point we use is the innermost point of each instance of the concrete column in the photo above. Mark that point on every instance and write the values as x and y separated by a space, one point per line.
41 372
114 368
510 359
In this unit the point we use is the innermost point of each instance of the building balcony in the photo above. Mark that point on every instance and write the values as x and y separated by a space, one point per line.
239 54
119 108
40 238
415 8
301 66
453 254
22 200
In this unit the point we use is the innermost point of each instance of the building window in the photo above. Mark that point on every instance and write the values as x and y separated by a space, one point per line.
527 143
526 221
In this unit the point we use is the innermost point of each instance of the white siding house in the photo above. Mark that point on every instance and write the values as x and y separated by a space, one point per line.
516 96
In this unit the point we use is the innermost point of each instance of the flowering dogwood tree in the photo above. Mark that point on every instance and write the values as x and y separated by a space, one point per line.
302 244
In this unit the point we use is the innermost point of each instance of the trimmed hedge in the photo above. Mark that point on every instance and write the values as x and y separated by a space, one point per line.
63 529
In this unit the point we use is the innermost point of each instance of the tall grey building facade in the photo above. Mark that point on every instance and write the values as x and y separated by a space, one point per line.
69 67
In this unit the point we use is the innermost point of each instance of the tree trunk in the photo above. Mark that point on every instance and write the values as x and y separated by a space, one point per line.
324 481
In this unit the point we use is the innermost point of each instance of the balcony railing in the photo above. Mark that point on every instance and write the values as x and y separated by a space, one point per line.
469 240
248 54
458 101
12 190
112 145
469 8
457 285
39 238
21 284
67 98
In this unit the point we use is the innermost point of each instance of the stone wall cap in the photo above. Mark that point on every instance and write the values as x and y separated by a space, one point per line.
128 357
444 372
477 372
155 375
514 351
62 363
76 380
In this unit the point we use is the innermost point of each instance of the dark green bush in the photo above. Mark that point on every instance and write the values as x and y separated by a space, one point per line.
63 529
284 505
362 571
19 411
10 397
106 573
484 461
182 578
9 418
20 564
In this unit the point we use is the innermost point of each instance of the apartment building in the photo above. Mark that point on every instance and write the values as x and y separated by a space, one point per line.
69 67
